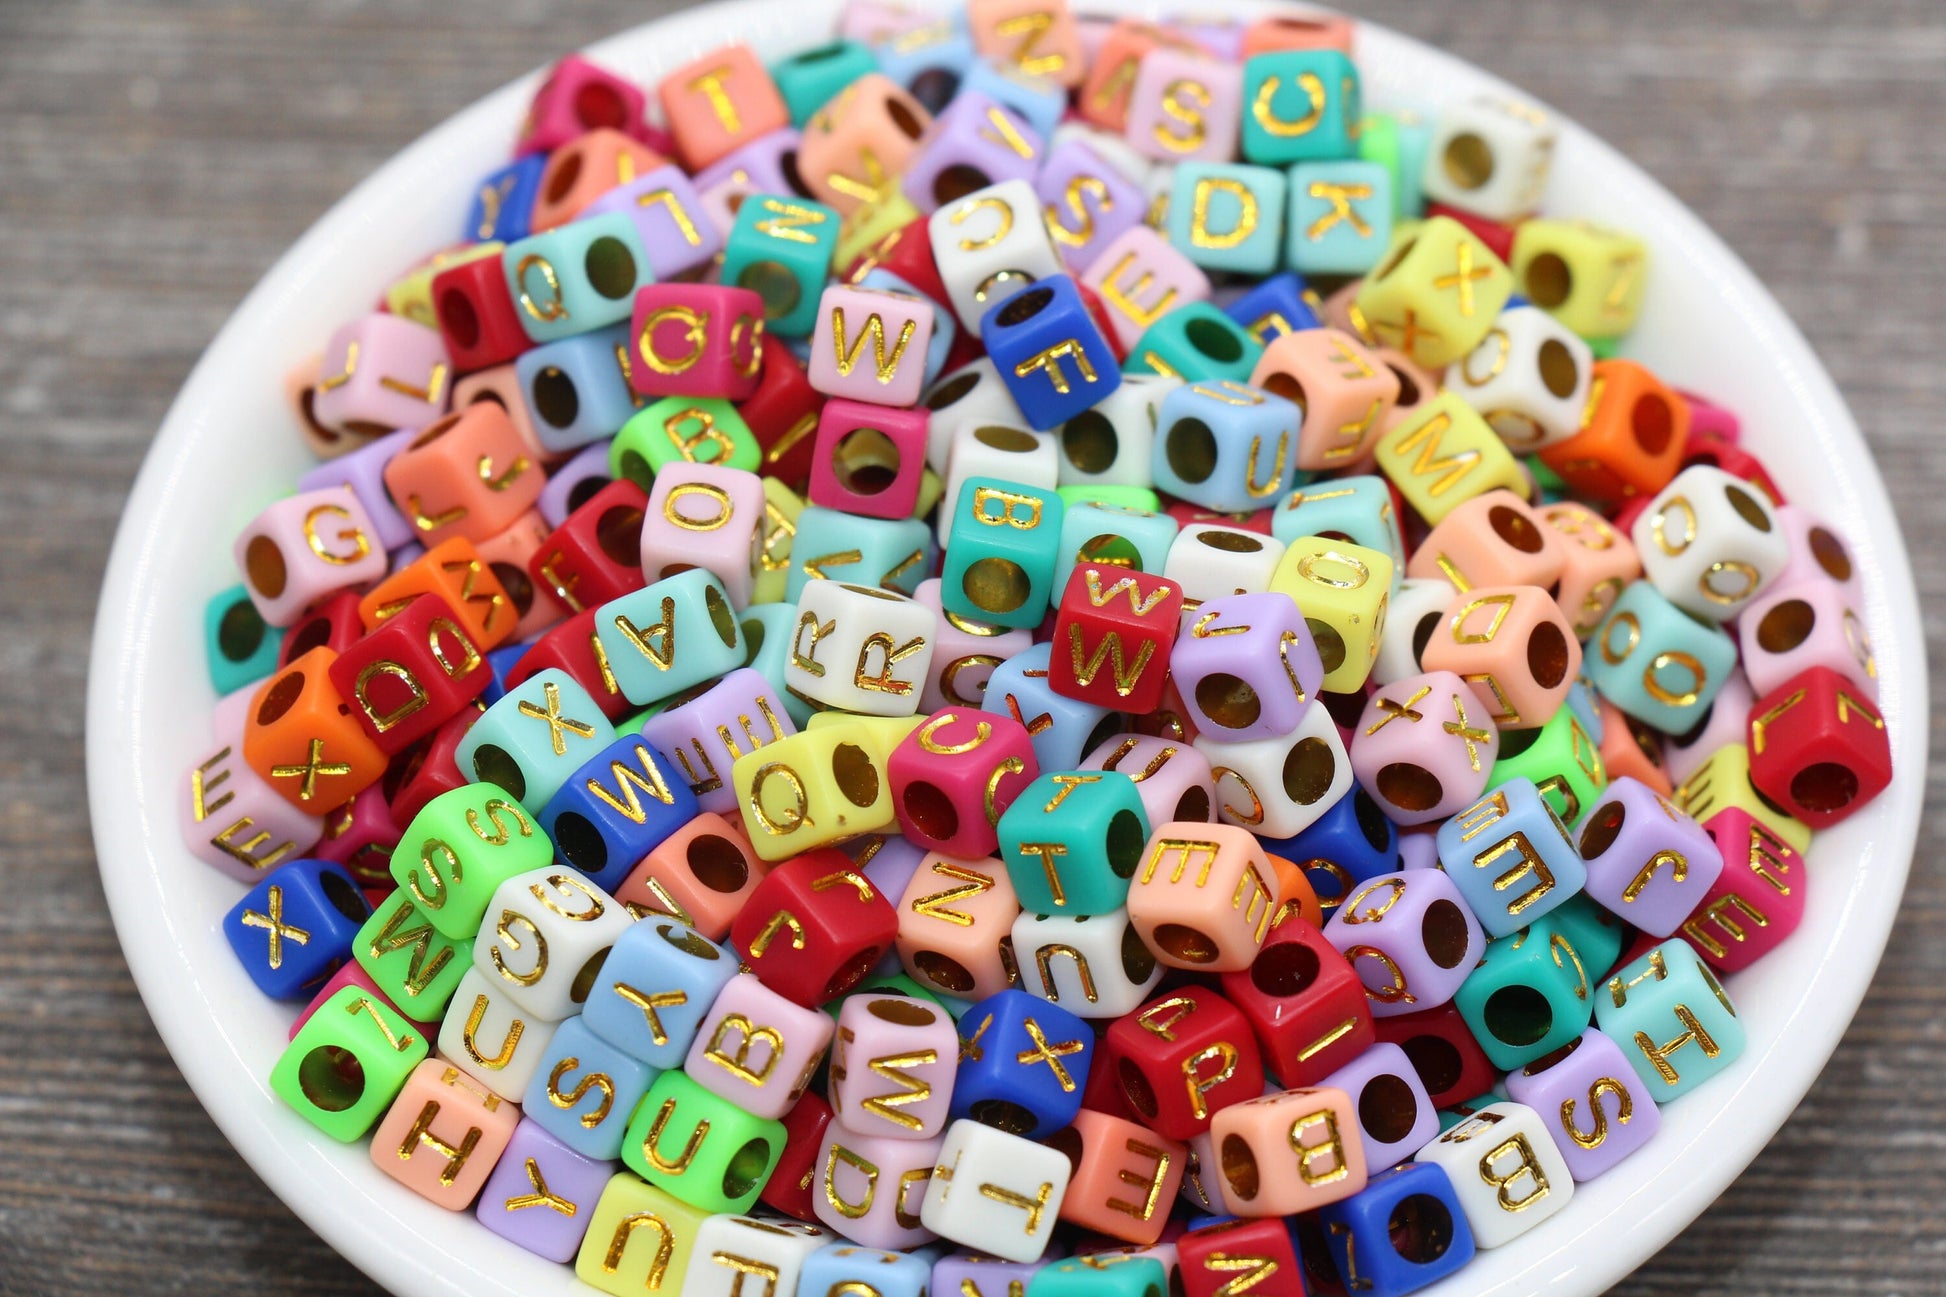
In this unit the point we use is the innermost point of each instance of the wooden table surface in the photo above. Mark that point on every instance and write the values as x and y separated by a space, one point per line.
156 157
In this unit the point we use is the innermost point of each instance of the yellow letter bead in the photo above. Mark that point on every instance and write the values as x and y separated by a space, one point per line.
1588 277
1343 590
860 649
1723 783
639 1239
1436 294
813 789
1445 454
1203 896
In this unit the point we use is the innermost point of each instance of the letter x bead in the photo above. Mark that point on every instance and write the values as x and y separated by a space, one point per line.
1459 729
280 931
1043 1052
314 765
1461 280
1404 711
556 722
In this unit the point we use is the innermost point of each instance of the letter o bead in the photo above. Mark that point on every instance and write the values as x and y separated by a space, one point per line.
1410 938
1291 1151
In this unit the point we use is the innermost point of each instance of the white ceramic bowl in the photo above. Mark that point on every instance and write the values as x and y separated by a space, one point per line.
227 448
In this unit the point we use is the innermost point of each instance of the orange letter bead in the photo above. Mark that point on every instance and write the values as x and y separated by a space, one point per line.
1126 1177
719 103
699 875
954 919
1203 896
301 738
1631 438
1513 646
454 571
466 475
1039 37
584 169
1288 1152
443 1135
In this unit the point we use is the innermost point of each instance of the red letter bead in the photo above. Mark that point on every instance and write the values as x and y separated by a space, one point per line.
302 740
477 320
782 414
954 777
1183 1058
304 548
719 103
1254 1256
697 340
1287 1152
1305 1003
1125 1179
595 555
443 1135
789 1188
333 624
1203 896
813 927
1093 630
868 460
1818 748
410 675
1449 1061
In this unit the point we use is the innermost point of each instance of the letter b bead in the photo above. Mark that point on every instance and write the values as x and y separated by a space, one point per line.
1287 1152
1505 1169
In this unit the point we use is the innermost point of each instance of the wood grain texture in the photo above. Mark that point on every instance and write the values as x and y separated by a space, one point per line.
156 157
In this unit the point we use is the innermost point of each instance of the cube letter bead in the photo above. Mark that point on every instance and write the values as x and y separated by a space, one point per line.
1789 629
1818 748
1279 787
443 1135
1529 996
304 548
1300 106
1491 158
1024 1064
1395 1114
1340 218
1597 563
732 1249
1755 903
1140 278
658 983
813 926
1444 454
1492 539
1094 967
234 821
870 1188
757 1049
781 248
1173 782
719 102
1267 639
999 567
1632 432
1589 278
534 739
1436 295
1040 41
1228 218
1657 663
505 198
1506 1170
295 927
1213 906
700 1148
1062 729
299 737
859 649
955 918
1261 1252
411 961
1226 446
544 938
1183 1057
1197 343
1092 630
347 1063
584 1090
242 648
1647 862
379 373
1288 1151
1592 1103
1412 617
1710 543
1419 765
1304 1001
577 277
1671 1018
1410 938
1088 202
1406 1229
1514 647
670 636
1529 377
1184 106
708 516
1443 1052
696 340
1343 590
892 1067
492 1039
677 232
954 777
855 148
995 1191
1051 352
1511 858
990 245
1113 1156
813 789
887 332
410 674
638 1237
542 1193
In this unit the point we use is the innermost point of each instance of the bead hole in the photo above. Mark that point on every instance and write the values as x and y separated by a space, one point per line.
1309 768
1420 1228
331 1078
717 863
1514 527
263 563
1602 828
956 182
280 698
865 461
1387 1108
1549 281
240 631
1286 969
610 267
1518 1015
1443 932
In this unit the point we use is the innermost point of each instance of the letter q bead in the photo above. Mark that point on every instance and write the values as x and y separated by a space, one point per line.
1410 938
696 340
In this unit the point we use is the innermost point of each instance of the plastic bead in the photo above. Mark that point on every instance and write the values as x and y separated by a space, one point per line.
1340 220
296 926
1140 278
1646 861
503 199
1343 590
1513 646
344 1067
1288 1151
1088 202
1050 352
1817 749
1395 1114
700 1148
1092 630
990 245
1183 106
1410 938
1095 967
831 545
1588 277
1173 781
955 916
1213 907
1446 454
442 1135
1072 841
1300 106
897 1042
1755 903
781 248
719 102
241 647
1406 1229
1631 437
1183 1058
380 373
575 278
1024 1064
1710 543
1246 632
995 1191
1655 662
1672 1019
676 229
492 1039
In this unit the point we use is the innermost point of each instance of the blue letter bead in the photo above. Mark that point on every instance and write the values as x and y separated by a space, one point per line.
1228 217
585 1090
658 984
1670 1016
1050 352
1279 305
930 62
1000 565
1656 662
781 248
577 389
616 809
670 636
576 277
1062 729
1023 1064
1071 841
890 553
966 1274
530 741
1358 508
1195 342
846 1269
1529 995
1094 531
1404 1230
1511 857
1300 106
1341 217
295 927
242 646
1225 446
1351 843
504 201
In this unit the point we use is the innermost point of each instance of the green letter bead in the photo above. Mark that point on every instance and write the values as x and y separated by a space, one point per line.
1122 497
1529 995
461 847
1135 537
781 248
1561 759
1595 934
1071 842
409 959
1398 142
678 429
699 1147
1105 1274
1670 1016
1300 106
1196 343
1000 565
349 1061
808 81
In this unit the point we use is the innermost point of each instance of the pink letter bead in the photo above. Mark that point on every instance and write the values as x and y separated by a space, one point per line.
234 821
1038 37
954 920
1173 779
856 147
708 516
871 1187
1790 629
1424 747
1248 668
1756 902
1344 388
1288 1152
696 340
1816 553
720 102
1590 1100
578 96
443 1135
868 460
1185 107
1203 896
1513 646
964 654
892 1067
703 872
1648 863
871 346
1112 1156
1140 278
757 1049
955 775
542 1194
1492 539
381 372
305 547
1411 939
465 475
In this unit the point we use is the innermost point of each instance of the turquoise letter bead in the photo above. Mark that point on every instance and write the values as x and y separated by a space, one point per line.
1228 217
242 648
1000 566
535 737
1094 531
781 248
1196 342
1656 662
1670 1016
1529 995
1341 217
831 545
662 639
1358 508
809 80
1105 1275
1300 106
1071 842
576 277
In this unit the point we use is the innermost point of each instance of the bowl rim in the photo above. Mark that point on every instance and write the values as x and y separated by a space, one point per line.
320 1183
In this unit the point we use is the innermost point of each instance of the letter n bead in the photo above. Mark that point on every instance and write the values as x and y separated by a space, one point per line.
1238 1256
996 1192
955 920
1114 633
892 1067
638 1238
1288 1151
1050 352
1204 896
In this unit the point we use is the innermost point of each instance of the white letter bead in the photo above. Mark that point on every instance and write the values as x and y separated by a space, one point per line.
989 245
1490 157
1210 561
1094 967
860 650
1506 1171
1414 614
1710 542
972 396
492 1039
1278 787
1528 379
544 937
994 1191
746 1256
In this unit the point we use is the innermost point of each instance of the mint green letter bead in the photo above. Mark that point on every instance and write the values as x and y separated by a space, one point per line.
1196 343
576 277
1000 566
1399 142
1656 662
666 637
781 248
1561 759
1126 497
1670 1016
462 846
676 429
347 1063
414 963
1341 217
1300 106
808 81
1096 531
1228 217
831 545
242 646
1071 842
1105 1274
699 1147
529 743
1529 995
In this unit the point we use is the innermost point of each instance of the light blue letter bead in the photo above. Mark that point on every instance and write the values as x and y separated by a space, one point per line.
1341 217
577 389
1511 857
585 1090
1670 1016
534 738
576 277
660 980
831 545
1228 217
666 637
1062 729
1358 508
1656 662
1226 446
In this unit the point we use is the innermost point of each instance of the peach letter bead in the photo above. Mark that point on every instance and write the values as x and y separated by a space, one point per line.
1203 896
1288 1152
443 1134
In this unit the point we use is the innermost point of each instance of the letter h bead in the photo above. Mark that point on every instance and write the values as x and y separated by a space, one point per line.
443 1135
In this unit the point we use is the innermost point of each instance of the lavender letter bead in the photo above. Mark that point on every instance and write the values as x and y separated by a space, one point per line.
1395 1114
706 735
1591 1101
975 143
1411 939
574 482
524 1198
1647 862
676 228
1091 202
756 168
1247 667
363 470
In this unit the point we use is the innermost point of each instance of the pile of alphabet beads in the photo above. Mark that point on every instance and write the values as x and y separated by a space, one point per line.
1018 653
